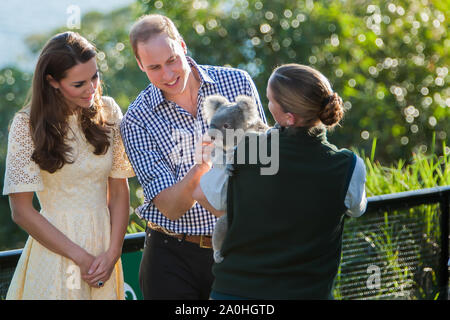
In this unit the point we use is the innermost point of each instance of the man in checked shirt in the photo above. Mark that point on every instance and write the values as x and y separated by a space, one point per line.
160 131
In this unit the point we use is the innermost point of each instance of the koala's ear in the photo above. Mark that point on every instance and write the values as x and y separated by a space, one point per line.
249 108
211 104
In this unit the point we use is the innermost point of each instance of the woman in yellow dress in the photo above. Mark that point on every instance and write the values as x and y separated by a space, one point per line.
65 145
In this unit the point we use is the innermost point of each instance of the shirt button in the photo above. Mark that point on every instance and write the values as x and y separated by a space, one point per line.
165 241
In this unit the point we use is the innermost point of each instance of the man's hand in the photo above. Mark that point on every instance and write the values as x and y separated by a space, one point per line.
203 150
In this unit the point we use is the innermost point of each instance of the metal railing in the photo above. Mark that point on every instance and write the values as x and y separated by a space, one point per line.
407 199
405 237
429 241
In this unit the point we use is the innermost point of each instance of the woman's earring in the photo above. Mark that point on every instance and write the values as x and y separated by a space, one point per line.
290 122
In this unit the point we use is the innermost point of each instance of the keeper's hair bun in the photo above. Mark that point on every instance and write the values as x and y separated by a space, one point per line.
333 111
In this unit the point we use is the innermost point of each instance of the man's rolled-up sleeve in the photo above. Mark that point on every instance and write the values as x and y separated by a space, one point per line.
151 168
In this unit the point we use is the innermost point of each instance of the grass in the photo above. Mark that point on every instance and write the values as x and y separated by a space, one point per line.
405 243
424 171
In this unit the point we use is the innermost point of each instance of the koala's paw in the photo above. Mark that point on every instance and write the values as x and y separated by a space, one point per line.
217 257
229 169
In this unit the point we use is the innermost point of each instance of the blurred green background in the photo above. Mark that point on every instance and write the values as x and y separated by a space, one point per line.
388 60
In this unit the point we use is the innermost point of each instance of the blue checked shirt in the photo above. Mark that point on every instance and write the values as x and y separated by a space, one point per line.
159 138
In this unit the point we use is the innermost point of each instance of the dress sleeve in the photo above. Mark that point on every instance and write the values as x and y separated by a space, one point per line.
22 173
121 167
355 200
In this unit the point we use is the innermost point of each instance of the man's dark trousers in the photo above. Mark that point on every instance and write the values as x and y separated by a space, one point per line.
174 269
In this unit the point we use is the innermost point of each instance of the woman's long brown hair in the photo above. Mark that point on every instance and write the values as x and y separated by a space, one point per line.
49 111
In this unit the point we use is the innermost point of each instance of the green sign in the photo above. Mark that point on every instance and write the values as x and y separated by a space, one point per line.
130 263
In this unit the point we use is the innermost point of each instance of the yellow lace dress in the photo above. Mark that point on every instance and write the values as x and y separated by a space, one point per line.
74 200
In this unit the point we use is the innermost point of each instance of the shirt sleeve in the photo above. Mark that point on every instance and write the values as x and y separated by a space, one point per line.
22 173
355 200
214 185
121 166
151 168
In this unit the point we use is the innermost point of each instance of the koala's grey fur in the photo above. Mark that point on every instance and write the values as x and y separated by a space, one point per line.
243 114
222 115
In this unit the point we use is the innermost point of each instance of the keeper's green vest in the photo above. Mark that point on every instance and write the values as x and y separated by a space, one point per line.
285 230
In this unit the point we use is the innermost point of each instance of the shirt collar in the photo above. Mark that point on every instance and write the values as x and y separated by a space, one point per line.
204 76
155 94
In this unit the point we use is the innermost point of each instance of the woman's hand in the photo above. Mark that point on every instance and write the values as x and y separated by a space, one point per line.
45 233
101 268
84 261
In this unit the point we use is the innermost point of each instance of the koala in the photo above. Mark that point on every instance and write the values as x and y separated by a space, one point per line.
222 115
240 116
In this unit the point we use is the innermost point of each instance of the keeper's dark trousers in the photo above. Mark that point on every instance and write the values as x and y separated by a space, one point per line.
174 270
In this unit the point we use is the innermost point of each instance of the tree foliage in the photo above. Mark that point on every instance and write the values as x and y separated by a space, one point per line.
388 60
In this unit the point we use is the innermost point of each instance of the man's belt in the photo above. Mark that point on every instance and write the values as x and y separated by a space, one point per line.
202 240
